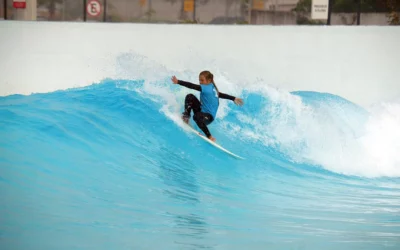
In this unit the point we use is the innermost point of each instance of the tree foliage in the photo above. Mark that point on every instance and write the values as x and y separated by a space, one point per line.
392 7
350 6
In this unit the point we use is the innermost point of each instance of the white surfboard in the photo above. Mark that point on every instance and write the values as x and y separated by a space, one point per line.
211 142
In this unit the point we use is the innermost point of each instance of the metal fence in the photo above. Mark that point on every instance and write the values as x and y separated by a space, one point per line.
166 11
272 12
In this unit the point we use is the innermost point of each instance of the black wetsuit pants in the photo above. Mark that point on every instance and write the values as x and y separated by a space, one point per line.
202 119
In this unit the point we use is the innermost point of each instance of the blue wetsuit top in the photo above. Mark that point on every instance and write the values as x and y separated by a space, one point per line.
208 96
209 99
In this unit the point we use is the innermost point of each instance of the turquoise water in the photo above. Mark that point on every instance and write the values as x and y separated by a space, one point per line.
109 166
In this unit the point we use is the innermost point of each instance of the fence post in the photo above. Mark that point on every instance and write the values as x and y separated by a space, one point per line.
330 4
5 9
84 10
105 11
250 4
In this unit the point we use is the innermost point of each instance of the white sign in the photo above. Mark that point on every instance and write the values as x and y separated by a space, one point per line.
93 8
319 9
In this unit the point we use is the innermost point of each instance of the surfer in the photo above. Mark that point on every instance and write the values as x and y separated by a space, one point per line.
205 110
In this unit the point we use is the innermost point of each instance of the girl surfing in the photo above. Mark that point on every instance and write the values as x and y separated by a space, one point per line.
205 110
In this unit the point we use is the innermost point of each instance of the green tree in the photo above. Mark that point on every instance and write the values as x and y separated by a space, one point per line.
393 7
303 8
348 6
351 6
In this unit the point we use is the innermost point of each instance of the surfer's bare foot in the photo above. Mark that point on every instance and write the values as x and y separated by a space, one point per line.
211 138
185 119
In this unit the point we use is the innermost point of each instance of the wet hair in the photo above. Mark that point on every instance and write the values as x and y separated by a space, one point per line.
209 76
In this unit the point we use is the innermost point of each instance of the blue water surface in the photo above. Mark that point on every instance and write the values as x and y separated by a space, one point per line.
102 167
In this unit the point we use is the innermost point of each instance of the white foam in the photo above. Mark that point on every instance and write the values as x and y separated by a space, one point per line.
381 142
329 134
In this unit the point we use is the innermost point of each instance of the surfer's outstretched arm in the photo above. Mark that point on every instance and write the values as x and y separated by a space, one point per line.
236 100
186 84
189 85
226 96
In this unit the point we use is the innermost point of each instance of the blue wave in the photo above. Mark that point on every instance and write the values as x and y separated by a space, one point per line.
104 167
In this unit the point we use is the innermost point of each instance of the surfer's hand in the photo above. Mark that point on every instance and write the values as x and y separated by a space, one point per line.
238 101
174 80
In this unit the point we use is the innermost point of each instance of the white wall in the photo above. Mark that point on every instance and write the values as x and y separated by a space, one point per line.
358 63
